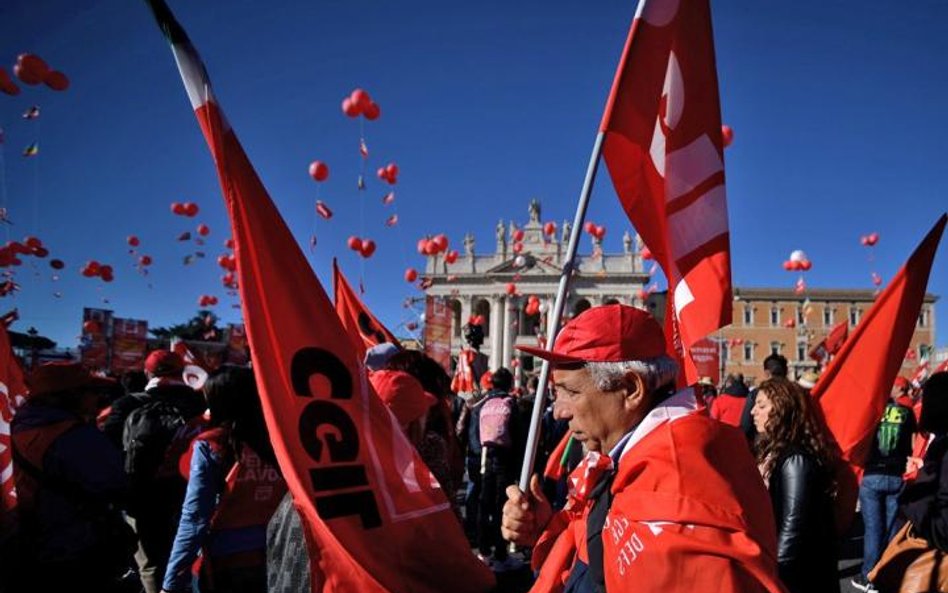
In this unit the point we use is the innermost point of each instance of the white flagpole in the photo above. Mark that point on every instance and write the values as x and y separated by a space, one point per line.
557 313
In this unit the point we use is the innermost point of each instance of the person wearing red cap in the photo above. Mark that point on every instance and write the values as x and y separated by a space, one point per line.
69 482
145 425
666 499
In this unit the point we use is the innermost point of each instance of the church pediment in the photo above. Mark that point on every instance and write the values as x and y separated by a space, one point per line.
534 265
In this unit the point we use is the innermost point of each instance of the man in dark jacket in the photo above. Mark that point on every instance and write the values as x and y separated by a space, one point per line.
69 482
155 501
882 482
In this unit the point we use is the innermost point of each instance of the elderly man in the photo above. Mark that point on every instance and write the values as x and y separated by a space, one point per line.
666 500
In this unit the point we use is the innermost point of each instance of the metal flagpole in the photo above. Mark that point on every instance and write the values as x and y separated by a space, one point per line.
557 313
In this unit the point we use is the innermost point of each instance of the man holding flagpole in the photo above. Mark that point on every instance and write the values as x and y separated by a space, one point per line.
667 499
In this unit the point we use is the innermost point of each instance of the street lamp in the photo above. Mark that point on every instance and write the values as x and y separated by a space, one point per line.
33 354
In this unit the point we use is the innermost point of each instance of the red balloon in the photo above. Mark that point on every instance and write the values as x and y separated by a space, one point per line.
178 208
517 247
727 135
57 264
228 278
518 235
133 241
590 227
432 248
806 265
646 253
56 80
788 265
600 232
191 209
372 111
93 267
318 170
549 228
7 85
790 323
360 99
864 240
40 251
145 261
872 239
90 327
441 241
355 243
350 108
368 248
411 274
32 242
511 289
203 230
229 243
30 68
422 246
451 256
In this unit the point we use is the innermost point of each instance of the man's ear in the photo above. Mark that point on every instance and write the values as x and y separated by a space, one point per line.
636 390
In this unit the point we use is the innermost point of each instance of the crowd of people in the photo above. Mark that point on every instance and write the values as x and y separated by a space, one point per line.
151 485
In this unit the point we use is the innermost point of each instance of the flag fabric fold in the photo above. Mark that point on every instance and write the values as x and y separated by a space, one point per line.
12 392
373 522
364 329
664 151
854 388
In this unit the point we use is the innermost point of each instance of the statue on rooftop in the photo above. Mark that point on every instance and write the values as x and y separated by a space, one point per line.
534 210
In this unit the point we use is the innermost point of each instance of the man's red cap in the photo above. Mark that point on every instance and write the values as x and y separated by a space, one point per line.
56 377
164 362
610 333
403 395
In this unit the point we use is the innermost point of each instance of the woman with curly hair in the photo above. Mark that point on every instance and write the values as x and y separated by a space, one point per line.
795 458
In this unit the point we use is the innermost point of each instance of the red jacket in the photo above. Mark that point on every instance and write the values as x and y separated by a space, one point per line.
690 513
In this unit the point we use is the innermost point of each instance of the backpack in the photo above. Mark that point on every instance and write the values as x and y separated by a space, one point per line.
494 424
148 433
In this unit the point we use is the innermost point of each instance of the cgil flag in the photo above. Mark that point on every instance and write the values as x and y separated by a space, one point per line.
375 520
854 388
364 329
664 151
12 393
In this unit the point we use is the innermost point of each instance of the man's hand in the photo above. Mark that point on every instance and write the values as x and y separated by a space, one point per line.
525 516
913 464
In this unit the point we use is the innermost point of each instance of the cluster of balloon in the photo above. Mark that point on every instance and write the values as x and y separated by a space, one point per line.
143 261
411 274
360 103
735 342
388 173
32 70
727 135
869 240
189 209
94 269
227 261
595 230
434 246
207 300
798 262
533 305
319 171
365 247
30 246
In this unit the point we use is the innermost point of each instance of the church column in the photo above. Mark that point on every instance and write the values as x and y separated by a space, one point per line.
496 331
510 332
466 304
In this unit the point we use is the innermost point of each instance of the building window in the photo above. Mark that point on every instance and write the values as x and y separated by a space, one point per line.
748 315
775 347
748 352
800 319
853 316
774 315
923 318
827 316
725 352
801 351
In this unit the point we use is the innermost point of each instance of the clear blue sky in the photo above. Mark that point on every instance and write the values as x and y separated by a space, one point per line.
839 110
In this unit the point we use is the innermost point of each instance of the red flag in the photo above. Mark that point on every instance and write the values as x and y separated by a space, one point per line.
372 525
831 344
556 464
363 328
664 152
12 391
853 390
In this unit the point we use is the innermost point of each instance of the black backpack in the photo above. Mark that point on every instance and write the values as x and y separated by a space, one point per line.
149 431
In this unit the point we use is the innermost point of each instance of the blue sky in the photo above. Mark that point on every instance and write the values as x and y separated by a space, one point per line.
838 110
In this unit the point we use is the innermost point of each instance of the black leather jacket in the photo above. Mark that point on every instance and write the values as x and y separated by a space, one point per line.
806 536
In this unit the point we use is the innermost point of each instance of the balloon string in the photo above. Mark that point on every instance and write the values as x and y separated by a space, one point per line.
3 186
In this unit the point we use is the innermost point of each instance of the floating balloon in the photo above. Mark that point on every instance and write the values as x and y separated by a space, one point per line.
57 264
517 247
361 99
727 135
368 248
56 80
441 241
203 230
7 85
647 253
511 288
178 208
520 261
422 246
90 327
798 255
32 242
451 256
321 209
144 261
354 243
790 323
40 252
319 171
133 241
191 209
411 274
229 243
549 228
518 235
599 232
806 265
869 240
372 111
876 279
349 108
590 227
30 68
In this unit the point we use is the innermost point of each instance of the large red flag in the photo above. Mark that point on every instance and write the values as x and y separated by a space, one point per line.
854 388
664 152
12 391
373 523
363 327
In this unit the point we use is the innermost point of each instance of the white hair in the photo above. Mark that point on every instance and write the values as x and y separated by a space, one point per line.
655 372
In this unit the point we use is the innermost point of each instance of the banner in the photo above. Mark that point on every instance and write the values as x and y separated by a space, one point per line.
96 334
706 355
438 319
664 150
376 521
129 342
